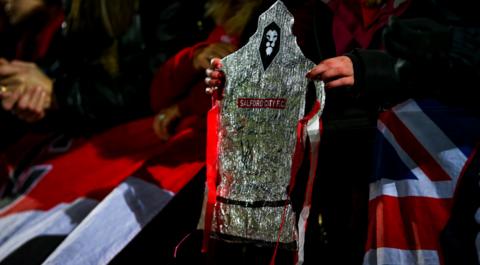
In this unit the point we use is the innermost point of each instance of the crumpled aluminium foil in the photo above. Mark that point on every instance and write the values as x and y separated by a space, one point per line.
264 99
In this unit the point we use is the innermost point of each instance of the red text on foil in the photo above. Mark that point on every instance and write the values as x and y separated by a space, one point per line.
262 103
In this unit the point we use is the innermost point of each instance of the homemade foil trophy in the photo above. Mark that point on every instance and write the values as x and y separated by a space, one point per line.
257 135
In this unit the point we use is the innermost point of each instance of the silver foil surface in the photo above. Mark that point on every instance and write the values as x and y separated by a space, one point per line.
264 99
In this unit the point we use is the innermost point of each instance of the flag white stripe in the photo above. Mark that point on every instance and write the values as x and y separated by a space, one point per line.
393 256
112 224
440 147
422 187
405 188
18 229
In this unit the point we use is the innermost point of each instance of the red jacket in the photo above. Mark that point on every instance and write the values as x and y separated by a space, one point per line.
177 82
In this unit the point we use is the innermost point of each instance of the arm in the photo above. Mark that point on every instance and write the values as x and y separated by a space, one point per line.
174 78
368 74
182 94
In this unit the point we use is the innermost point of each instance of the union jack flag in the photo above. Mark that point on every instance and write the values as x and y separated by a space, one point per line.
82 201
422 149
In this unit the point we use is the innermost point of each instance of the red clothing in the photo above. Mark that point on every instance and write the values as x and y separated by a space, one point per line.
36 39
33 39
177 82
93 167
354 24
43 40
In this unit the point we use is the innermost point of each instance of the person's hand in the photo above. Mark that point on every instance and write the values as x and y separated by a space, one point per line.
204 55
215 79
27 91
163 121
4 90
418 39
335 72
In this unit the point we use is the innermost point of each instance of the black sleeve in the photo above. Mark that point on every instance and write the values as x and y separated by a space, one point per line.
91 99
375 77
465 48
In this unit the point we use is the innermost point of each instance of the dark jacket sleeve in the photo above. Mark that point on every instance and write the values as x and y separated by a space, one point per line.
92 99
388 80
375 76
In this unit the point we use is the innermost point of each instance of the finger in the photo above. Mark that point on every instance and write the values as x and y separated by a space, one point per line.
342 82
210 90
343 62
159 129
3 61
156 126
216 63
9 69
36 97
42 103
9 102
212 82
22 64
214 74
333 62
25 99
213 91
208 72
160 126
316 71
332 74
162 132
217 75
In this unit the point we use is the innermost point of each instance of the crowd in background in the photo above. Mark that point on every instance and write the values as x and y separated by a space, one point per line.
81 68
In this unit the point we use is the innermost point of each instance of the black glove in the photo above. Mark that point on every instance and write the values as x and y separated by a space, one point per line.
419 40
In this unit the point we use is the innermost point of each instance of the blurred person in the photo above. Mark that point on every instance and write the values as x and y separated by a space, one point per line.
417 51
180 79
426 57
97 86
101 84
31 32
105 81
